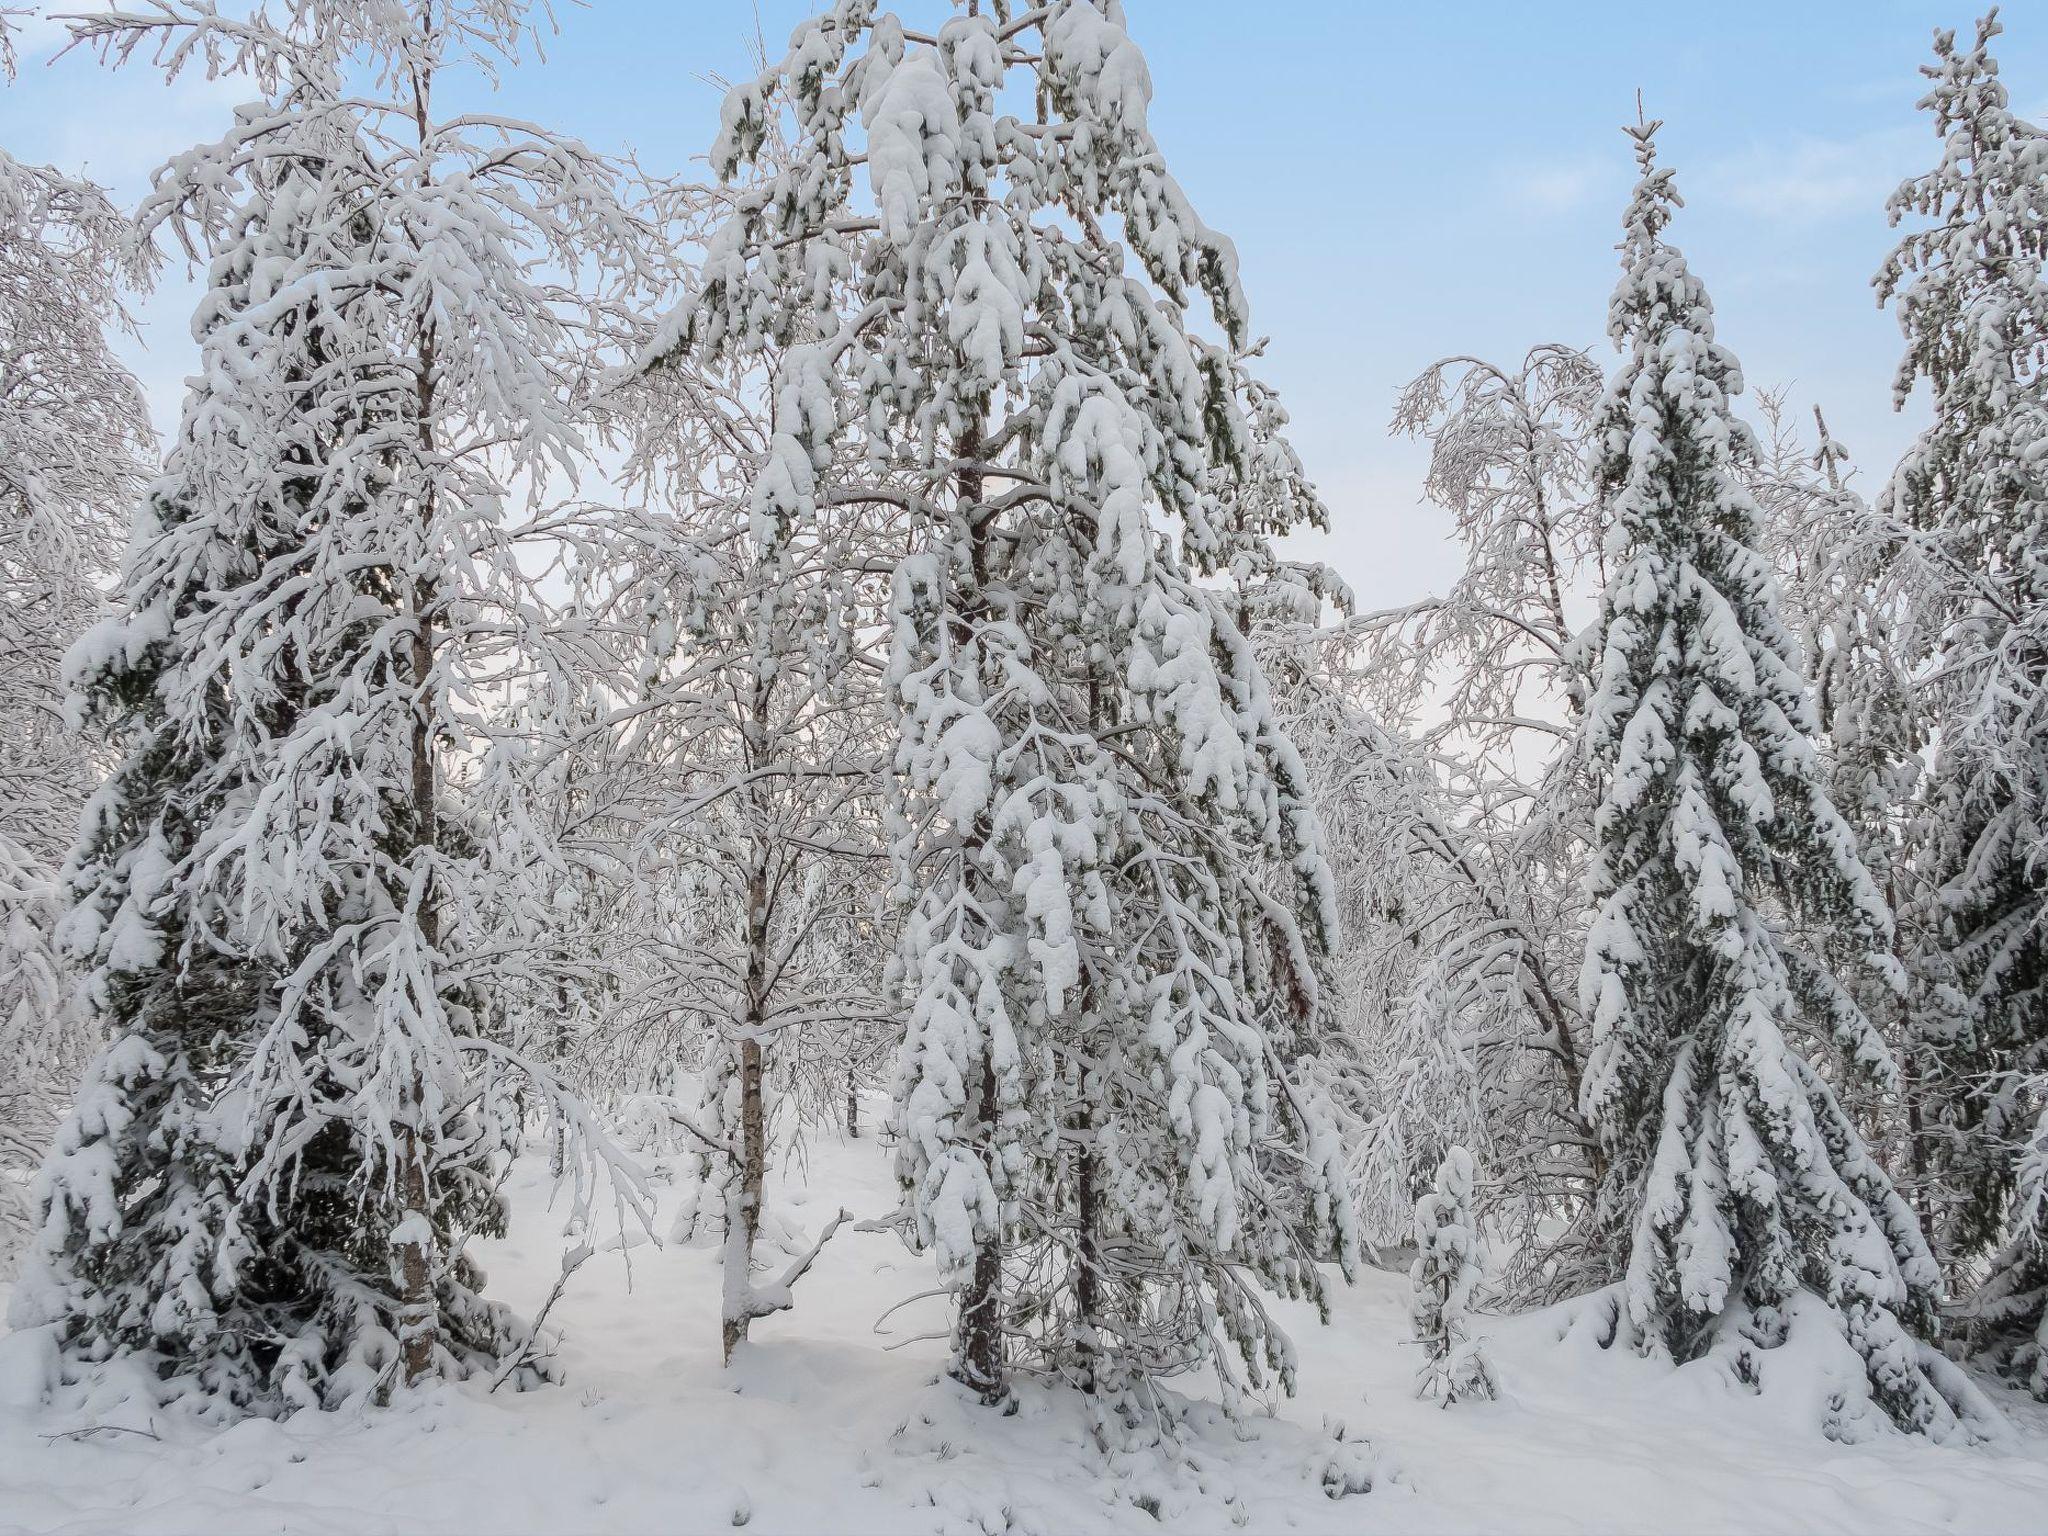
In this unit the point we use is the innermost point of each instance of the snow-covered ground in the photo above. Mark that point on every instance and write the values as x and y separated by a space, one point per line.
822 1426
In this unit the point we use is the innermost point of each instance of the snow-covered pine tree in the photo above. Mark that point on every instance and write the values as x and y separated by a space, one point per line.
1450 1259
1969 505
75 452
1738 1193
285 886
1098 1135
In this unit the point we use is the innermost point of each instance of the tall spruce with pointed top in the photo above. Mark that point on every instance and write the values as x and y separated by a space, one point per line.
977 267
1970 507
1739 1198
290 904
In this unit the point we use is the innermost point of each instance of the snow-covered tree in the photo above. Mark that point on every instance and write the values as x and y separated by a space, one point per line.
1432 734
1829 548
1481 855
1450 1259
294 891
978 273
1508 460
1968 507
1398 1067
1437 995
44 1034
75 452
1738 1193
748 768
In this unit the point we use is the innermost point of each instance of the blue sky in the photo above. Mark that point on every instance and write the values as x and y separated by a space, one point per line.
1402 181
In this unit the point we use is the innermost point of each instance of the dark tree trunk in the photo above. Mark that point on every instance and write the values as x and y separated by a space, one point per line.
980 1323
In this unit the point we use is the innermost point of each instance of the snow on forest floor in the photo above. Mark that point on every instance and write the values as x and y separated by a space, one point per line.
820 1427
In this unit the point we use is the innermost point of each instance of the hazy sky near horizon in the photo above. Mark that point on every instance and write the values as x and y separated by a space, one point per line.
1402 181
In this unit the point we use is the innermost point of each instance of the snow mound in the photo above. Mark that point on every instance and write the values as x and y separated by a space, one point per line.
836 1422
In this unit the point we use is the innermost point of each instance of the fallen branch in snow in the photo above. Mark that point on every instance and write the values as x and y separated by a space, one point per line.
896 1221
918 1338
98 1429
937 1290
571 1262
777 1296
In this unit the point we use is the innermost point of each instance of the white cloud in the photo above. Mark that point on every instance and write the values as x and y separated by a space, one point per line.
1805 180
1563 186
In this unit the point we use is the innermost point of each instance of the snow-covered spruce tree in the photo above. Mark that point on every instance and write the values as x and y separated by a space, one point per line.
1449 1259
75 451
1738 1192
1969 508
1099 1137
285 888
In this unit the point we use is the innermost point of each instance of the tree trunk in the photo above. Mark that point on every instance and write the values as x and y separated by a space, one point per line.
1910 1080
419 1327
980 1325
1087 1198
1088 1259
745 1203
981 1322
417 1319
